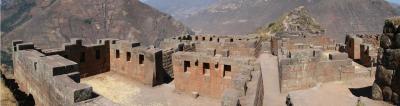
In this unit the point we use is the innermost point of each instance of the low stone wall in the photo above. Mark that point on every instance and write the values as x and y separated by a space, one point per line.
304 69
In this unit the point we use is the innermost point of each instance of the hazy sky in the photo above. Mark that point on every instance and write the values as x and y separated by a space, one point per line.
395 1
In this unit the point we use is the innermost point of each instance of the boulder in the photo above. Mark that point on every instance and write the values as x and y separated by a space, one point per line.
391 58
376 92
397 40
383 76
389 27
385 42
387 93
396 82
395 98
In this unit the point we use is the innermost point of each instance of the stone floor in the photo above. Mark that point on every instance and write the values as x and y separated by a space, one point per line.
127 92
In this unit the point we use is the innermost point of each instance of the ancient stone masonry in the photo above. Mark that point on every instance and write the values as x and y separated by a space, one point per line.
52 76
307 59
51 79
387 80
219 67
363 48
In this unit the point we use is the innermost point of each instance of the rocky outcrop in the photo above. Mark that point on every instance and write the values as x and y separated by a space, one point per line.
297 21
387 80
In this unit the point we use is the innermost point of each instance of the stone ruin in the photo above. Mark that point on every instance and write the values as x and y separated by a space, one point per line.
308 59
363 48
53 76
218 67
387 80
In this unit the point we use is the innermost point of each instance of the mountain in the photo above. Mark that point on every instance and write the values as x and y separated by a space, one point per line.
245 16
180 9
397 7
60 20
295 21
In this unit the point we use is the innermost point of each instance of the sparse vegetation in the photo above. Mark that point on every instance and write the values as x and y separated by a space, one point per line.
17 18
299 17
88 21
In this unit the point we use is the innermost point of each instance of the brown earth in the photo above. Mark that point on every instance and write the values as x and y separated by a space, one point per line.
61 20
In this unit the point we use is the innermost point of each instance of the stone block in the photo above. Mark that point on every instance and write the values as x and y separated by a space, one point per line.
230 98
383 76
387 93
376 92
338 56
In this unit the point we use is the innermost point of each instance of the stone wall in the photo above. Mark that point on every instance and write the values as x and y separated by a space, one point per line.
303 69
234 45
143 64
295 43
52 79
387 80
220 67
363 48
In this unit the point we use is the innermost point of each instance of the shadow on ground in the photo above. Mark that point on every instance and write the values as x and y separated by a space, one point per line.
22 98
365 91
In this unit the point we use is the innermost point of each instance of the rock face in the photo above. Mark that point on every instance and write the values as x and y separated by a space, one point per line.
59 20
387 79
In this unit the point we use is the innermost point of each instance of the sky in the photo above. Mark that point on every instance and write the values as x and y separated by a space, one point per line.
394 1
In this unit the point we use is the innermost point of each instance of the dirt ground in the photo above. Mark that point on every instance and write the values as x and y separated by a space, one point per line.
328 94
122 90
6 97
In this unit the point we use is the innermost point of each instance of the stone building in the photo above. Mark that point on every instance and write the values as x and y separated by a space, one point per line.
53 76
218 67
308 59
387 80
363 48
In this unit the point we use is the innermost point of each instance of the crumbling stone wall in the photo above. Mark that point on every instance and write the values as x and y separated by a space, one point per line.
143 64
51 79
219 67
291 42
387 80
52 75
233 45
93 59
363 48
303 69
305 60
218 77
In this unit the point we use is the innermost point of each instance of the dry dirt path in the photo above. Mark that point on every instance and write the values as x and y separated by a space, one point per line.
269 67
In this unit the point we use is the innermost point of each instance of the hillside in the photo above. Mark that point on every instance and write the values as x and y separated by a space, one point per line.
94 19
245 16
295 21
397 7
180 9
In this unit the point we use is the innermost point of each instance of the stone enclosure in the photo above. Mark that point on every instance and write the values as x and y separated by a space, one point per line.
222 68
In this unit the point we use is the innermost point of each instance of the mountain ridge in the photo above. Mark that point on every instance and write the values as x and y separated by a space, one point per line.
93 19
